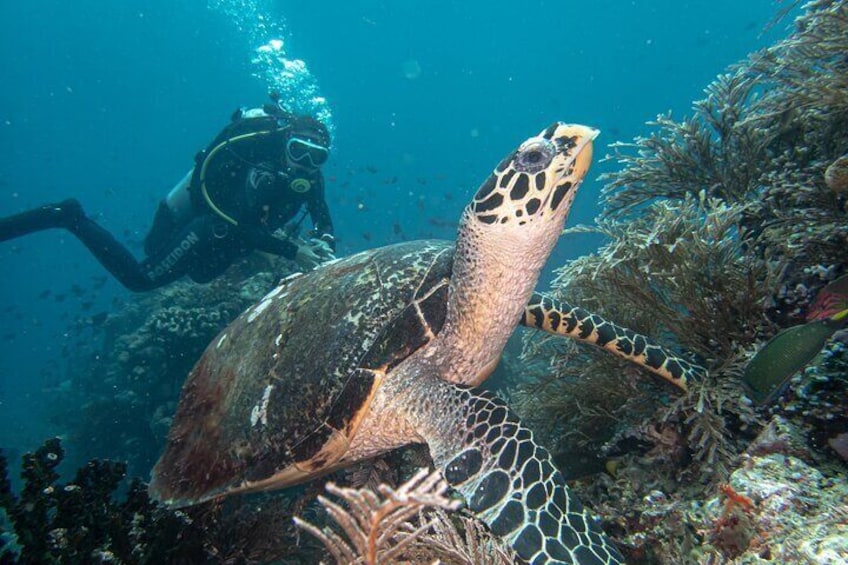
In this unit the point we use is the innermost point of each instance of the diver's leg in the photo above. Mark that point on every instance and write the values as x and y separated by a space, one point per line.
58 215
560 318
177 255
70 216
185 249
114 257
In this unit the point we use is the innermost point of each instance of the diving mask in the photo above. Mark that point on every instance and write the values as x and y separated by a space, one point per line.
306 153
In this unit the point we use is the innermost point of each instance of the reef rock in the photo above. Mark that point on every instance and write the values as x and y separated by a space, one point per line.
784 511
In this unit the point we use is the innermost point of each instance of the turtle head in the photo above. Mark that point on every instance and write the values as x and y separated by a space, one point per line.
536 183
505 236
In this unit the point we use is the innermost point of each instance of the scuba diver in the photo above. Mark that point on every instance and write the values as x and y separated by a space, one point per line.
253 179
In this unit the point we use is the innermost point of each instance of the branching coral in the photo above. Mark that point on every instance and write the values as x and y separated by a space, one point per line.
470 543
680 267
783 109
719 229
679 272
407 524
764 136
378 526
714 152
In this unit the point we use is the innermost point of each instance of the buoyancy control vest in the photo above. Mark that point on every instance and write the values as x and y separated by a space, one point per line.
253 136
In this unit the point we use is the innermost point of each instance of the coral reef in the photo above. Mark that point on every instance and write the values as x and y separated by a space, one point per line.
85 521
763 139
778 505
778 509
720 230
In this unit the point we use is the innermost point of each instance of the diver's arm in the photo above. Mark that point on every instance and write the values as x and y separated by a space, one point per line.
320 212
259 238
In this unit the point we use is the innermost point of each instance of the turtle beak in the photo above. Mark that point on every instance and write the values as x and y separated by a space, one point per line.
575 143
583 152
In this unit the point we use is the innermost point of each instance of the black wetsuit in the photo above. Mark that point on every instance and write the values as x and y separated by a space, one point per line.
257 196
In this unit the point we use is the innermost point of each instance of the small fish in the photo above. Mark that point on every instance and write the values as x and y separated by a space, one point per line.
439 223
371 169
771 368
98 319
366 236
44 294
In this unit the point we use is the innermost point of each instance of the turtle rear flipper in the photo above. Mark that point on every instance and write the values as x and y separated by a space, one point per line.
507 479
561 318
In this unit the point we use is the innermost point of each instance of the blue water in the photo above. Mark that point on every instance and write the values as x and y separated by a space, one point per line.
109 101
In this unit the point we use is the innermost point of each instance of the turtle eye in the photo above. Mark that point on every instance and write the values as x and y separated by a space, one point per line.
534 155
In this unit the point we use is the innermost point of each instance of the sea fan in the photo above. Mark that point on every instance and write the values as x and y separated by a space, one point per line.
378 527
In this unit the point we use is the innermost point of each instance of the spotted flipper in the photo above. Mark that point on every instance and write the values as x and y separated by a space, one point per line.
507 479
560 318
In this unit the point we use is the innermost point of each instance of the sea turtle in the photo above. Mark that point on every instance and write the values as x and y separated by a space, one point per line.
381 349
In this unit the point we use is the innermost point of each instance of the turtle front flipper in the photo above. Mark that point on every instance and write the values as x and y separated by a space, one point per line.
561 318
507 479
